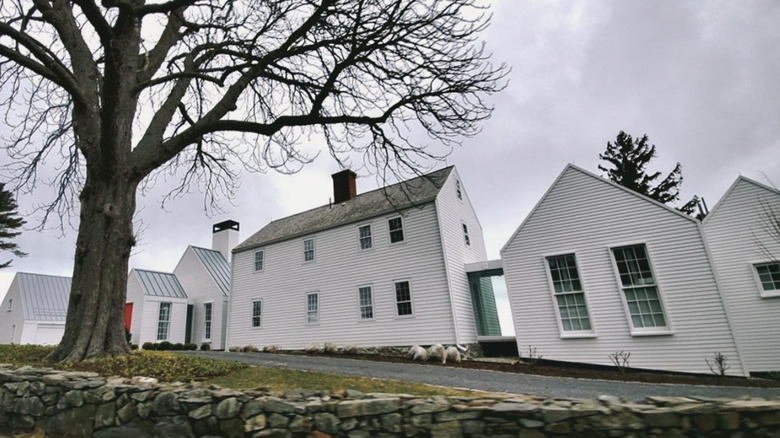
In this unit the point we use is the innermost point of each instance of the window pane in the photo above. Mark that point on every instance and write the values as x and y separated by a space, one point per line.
365 237
403 298
312 307
568 291
259 261
396 230
769 274
257 309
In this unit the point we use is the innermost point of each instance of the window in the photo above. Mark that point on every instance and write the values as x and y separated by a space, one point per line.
259 259
768 276
163 321
567 289
207 320
396 227
365 236
639 287
308 250
366 303
403 298
257 313
457 189
312 308
466 235
10 304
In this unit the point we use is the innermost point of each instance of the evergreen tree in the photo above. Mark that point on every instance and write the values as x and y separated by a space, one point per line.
629 158
9 222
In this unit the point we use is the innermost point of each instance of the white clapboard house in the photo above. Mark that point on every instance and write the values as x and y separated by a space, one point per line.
34 309
188 305
597 269
743 233
381 268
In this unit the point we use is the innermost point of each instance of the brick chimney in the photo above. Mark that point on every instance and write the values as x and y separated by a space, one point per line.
224 237
344 187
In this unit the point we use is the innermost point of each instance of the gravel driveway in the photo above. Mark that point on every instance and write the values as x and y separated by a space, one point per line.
486 380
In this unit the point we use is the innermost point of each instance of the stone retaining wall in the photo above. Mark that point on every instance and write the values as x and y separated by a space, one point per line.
84 404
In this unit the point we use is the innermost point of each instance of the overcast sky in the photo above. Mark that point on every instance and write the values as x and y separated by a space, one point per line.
701 78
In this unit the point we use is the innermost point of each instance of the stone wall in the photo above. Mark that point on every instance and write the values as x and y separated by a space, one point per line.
84 404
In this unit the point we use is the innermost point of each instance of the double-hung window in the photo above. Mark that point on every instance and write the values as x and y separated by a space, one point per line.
403 298
259 260
207 320
308 250
366 302
568 293
466 235
769 277
396 227
312 308
257 313
365 237
163 321
639 287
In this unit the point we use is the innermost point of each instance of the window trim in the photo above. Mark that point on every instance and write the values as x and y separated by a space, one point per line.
761 291
167 321
360 306
262 260
465 229
411 299
390 232
569 334
370 237
307 311
253 316
640 331
208 323
313 250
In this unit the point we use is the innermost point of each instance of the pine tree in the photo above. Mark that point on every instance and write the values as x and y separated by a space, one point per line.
629 158
9 222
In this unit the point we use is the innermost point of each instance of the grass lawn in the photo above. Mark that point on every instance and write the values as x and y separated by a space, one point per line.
170 367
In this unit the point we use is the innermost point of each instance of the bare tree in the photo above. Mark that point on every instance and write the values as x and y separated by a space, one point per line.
121 89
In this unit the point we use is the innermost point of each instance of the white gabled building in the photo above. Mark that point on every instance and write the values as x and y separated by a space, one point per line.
156 307
743 233
382 268
34 309
597 269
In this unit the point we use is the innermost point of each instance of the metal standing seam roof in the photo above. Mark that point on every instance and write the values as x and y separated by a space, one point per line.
406 194
217 267
160 284
44 297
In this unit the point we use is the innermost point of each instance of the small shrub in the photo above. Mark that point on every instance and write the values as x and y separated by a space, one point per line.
149 346
312 349
134 346
270 349
205 346
351 349
533 356
620 359
249 349
235 348
178 346
190 346
330 348
718 364
164 346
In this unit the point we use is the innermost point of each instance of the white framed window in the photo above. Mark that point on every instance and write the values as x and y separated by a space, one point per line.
259 260
312 308
366 302
466 234
163 321
396 227
458 191
364 234
257 313
768 278
403 298
640 290
308 250
207 320
10 304
568 294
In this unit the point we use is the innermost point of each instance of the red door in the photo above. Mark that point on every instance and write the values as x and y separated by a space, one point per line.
128 315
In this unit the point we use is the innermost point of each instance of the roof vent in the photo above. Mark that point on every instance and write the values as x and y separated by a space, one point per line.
344 187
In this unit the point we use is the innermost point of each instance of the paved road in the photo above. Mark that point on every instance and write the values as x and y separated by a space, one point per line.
486 380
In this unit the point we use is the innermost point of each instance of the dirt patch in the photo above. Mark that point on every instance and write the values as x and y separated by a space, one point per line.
580 371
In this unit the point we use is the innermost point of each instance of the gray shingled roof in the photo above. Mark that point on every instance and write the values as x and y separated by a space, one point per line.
216 265
160 284
44 297
416 191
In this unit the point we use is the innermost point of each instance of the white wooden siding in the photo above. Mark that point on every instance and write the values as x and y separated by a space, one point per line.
136 296
452 214
150 318
201 288
585 214
339 268
13 318
733 230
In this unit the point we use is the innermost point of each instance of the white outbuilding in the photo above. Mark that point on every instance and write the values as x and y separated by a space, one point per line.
34 309
156 307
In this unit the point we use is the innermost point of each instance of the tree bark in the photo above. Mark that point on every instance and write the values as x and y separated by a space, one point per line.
94 326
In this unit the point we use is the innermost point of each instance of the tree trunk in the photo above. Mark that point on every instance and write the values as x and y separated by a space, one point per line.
94 326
